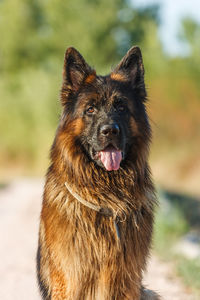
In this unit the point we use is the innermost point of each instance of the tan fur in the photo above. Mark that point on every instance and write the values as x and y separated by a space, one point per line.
90 78
118 77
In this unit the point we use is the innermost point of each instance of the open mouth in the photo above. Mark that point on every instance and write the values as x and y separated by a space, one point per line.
110 157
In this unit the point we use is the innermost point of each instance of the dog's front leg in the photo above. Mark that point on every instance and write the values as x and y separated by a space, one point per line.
58 286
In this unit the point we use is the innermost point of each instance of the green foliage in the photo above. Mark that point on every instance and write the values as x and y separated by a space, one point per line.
28 116
170 224
191 35
37 31
189 270
34 36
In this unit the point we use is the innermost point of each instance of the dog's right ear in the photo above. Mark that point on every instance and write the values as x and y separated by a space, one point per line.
75 72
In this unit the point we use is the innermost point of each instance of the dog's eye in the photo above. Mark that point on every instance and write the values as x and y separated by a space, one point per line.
90 110
121 108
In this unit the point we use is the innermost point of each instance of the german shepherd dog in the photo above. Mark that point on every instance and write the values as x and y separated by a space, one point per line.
97 214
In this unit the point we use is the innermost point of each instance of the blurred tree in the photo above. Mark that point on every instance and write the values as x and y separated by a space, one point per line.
191 36
20 25
34 36
35 32
133 25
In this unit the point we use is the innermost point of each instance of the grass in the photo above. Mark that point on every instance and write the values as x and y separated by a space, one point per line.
189 270
170 226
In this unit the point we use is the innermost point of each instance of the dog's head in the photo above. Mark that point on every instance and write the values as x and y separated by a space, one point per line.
105 115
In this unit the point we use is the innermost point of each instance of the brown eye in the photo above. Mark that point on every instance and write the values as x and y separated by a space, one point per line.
90 110
121 108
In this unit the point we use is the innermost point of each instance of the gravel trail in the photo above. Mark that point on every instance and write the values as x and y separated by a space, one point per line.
20 204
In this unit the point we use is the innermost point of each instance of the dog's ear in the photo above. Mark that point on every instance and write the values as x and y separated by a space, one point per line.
75 71
131 69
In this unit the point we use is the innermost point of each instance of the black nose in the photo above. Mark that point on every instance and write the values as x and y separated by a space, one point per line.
110 129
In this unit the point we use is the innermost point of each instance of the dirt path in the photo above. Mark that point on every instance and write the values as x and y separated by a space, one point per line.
19 218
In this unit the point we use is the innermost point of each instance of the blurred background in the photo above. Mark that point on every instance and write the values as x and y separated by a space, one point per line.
34 36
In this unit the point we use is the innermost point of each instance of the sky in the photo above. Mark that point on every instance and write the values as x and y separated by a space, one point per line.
172 11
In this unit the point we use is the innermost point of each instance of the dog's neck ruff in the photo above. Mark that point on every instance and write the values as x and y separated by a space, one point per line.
102 210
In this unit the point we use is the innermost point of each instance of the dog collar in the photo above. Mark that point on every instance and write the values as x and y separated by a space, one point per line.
102 210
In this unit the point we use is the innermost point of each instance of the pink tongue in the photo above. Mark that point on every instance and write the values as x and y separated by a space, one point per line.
111 159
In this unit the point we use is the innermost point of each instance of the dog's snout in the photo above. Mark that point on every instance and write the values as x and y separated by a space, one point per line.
110 130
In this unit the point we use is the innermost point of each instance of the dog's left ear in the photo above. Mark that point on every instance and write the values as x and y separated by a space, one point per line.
131 69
